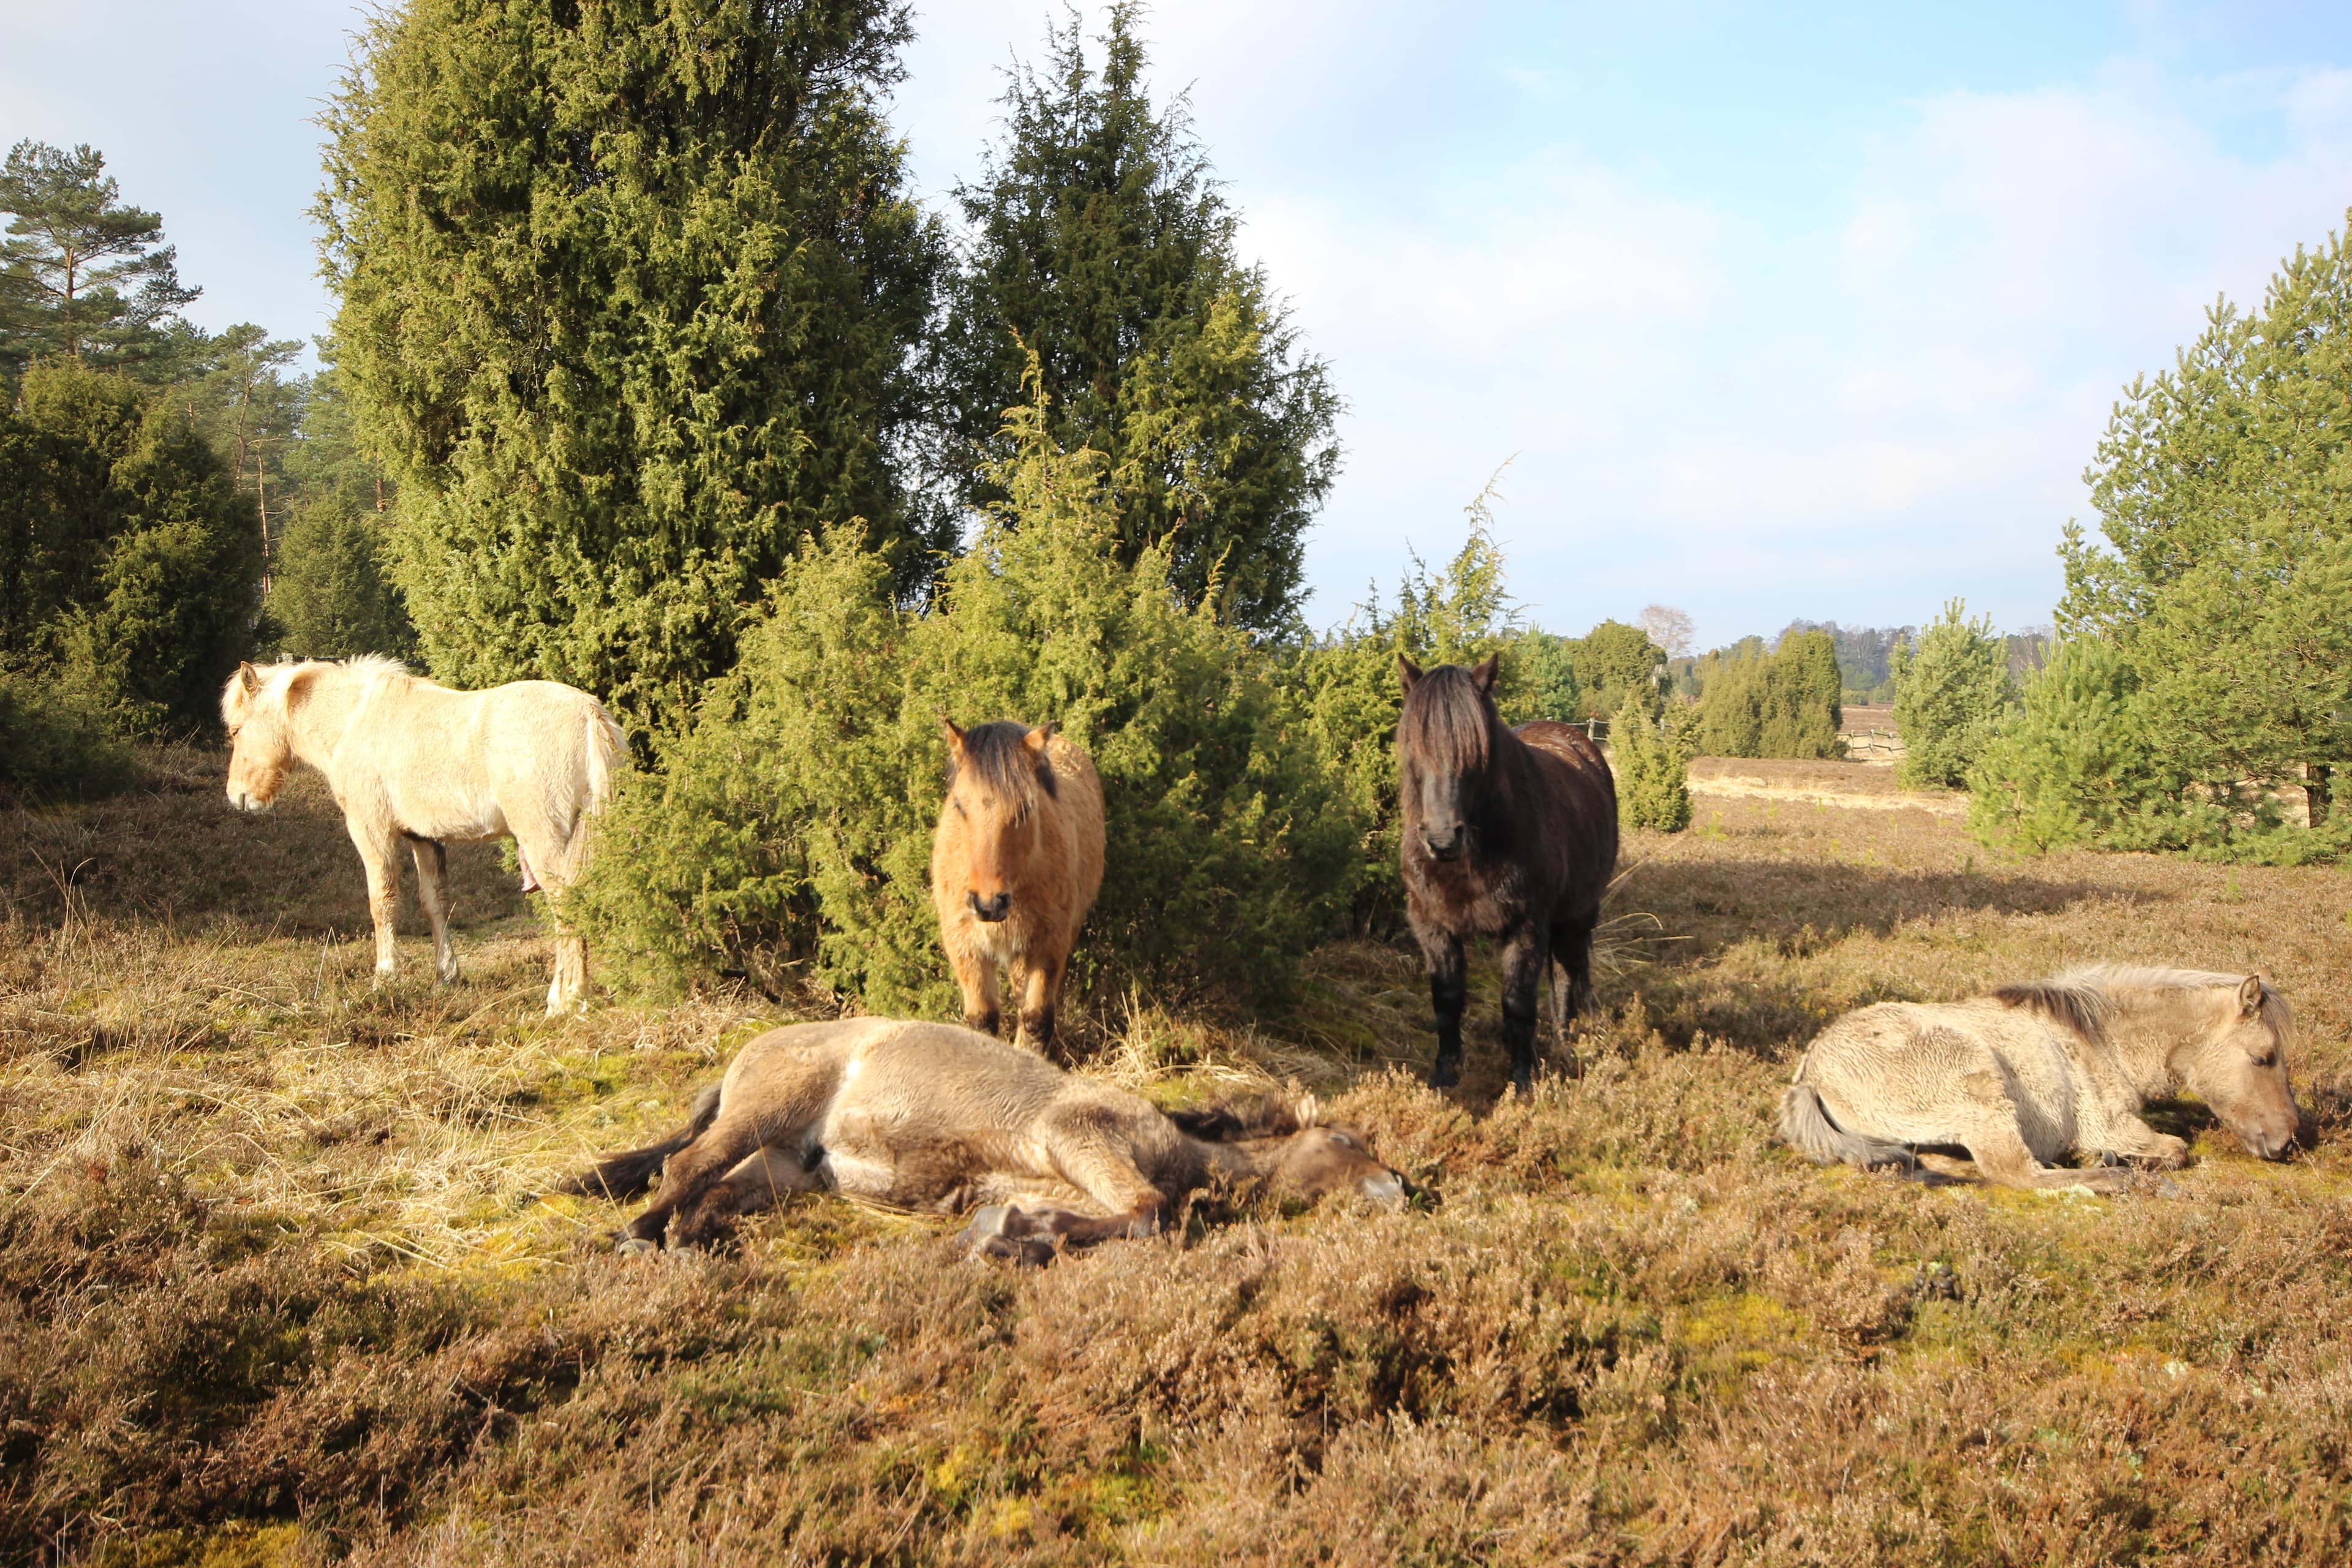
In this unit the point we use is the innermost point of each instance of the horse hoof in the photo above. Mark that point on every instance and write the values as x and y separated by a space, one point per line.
634 1246
1444 1076
1022 1251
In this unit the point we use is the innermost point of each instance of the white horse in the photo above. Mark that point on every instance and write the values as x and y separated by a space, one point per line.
532 759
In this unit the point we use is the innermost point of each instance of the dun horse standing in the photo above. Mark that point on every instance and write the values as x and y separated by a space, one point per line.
932 1117
410 760
1508 832
2022 1077
1016 864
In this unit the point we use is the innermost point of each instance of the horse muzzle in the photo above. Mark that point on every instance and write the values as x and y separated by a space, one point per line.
993 911
1449 850
246 802
1388 1189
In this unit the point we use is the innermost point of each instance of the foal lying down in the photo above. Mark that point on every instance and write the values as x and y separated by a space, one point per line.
2022 1077
939 1117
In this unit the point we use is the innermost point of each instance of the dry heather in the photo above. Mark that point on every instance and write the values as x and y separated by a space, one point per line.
275 1285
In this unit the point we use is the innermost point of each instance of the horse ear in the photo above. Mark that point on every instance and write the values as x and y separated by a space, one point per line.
249 678
1037 739
2250 996
1407 672
954 735
298 685
1482 676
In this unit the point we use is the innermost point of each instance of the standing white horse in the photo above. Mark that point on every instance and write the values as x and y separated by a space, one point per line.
532 759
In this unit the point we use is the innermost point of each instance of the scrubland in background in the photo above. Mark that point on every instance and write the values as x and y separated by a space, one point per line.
276 1285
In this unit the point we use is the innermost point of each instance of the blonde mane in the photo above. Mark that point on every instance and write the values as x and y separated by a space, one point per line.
2084 998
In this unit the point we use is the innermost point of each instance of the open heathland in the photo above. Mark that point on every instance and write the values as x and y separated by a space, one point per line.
278 1282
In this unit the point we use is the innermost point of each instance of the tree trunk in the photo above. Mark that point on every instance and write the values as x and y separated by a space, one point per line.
2318 778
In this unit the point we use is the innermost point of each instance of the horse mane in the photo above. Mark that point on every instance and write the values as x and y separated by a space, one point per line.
1236 1121
359 668
998 756
2084 999
1446 722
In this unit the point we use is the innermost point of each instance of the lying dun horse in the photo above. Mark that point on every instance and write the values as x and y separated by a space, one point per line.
410 760
1015 864
2023 1077
933 1117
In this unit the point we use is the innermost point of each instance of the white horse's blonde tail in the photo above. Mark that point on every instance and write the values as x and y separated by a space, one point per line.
1806 1127
606 748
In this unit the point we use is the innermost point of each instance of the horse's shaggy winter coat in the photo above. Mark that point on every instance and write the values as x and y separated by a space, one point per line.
1016 862
933 1117
2031 1073
1509 833
410 760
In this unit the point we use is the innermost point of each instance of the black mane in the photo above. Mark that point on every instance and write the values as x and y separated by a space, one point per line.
998 756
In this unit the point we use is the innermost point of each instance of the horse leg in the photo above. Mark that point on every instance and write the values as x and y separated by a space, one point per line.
432 866
1525 956
975 975
383 893
1449 993
1987 1125
694 1169
1041 990
757 1182
1571 984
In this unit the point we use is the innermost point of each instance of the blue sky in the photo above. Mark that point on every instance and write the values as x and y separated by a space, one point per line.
1777 311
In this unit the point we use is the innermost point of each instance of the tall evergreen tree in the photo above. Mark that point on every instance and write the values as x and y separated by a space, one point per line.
2225 495
1101 243
1952 689
629 296
82 277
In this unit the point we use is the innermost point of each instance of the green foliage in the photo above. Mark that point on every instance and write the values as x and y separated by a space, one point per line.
82 277
1101 245
2226 504
1540 680
793 820
628 297
55 742
1651 764
1783 703
128 563
329 595
2086 761
1952 686
1615 663
2079 764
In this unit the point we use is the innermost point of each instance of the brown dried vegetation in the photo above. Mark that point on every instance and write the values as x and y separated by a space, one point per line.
276 1284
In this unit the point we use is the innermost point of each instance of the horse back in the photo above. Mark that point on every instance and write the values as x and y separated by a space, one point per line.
1578 809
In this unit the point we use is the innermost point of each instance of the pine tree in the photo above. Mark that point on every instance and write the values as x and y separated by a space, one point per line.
82 277
629 296
2225 499
1101 243
1952 688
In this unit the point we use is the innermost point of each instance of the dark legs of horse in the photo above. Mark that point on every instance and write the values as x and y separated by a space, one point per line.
1041 990
1449 993
1525 956
1571 984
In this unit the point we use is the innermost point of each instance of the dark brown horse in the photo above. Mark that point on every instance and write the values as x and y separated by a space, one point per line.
1510 833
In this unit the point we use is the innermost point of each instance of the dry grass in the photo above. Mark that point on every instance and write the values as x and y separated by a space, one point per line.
276 1284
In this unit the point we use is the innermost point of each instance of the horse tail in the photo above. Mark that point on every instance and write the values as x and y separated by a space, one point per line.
606 747
1806 1126
625 1176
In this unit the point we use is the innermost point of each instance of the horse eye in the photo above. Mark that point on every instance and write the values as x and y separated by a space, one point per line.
959 806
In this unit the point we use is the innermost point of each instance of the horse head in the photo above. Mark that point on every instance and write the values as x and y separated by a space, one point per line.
996 773
261 749
2239 1068
1442 748
1314 1161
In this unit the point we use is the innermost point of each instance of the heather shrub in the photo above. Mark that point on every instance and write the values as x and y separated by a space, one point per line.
790 826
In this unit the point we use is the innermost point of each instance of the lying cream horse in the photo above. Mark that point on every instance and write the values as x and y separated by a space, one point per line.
2025 1076
410 760
939 1118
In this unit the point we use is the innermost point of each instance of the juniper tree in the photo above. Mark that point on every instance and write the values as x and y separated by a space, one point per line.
1101 243
1952 688
629 297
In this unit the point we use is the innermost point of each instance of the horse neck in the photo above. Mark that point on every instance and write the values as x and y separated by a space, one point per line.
1244 1161
313 729
2153 1028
